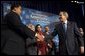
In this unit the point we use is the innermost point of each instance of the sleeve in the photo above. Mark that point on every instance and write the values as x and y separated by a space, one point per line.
16 23
78 34
54 33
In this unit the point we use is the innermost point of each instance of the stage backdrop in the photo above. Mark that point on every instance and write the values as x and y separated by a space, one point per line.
35 17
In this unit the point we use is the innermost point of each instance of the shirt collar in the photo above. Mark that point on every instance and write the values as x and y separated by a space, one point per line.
65 22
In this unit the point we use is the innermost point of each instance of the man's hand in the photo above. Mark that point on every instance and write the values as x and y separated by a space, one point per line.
50 45
38 39
82 49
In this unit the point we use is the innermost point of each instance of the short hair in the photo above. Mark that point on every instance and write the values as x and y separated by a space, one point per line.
14 6
45 26
65 13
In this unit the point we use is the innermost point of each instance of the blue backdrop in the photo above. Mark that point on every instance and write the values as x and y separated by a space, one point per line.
36 17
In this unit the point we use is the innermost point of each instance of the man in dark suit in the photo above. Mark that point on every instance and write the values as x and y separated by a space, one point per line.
48 39
69 36
14 33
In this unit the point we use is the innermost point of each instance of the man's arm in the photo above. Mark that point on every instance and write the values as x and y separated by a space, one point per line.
79 36
16 23
54 33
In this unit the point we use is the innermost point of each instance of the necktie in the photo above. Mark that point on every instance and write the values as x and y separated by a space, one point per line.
65 26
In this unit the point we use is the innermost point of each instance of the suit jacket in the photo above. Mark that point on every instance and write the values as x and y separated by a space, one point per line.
14 34
48 37
70 40
31 46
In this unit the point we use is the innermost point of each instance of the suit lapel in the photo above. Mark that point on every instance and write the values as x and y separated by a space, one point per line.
68 26
61 28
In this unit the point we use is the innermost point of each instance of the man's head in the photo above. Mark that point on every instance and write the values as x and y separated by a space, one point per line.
46 28
31 26
16 8
81 31
63 15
